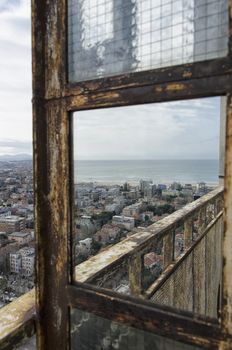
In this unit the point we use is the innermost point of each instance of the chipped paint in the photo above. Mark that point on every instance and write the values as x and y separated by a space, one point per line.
227 291
175 87
158 89
16 314
187 74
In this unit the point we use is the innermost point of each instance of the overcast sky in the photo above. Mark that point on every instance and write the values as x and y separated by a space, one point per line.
187 129
175 130
15 77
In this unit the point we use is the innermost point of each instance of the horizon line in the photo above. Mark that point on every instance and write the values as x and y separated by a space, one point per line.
84 159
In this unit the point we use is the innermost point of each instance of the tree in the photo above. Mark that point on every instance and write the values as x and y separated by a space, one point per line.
96 246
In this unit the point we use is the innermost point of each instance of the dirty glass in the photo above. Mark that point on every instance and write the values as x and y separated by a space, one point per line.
89 331
137 171
110 37
29 344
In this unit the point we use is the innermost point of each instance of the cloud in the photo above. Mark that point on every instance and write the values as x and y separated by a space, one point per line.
15 146
15 72
7 5
183 129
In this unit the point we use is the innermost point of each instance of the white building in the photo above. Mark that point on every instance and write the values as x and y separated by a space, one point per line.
84 247
124 222
114 207
15 262
133 210
201 187
28 264
23 261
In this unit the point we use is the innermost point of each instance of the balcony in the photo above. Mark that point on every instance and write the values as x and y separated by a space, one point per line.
189 254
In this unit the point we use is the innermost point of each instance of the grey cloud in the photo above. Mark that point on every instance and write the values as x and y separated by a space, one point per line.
7 5
15 146
189 129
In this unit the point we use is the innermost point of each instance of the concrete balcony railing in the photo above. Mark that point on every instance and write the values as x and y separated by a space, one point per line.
170 238
170 242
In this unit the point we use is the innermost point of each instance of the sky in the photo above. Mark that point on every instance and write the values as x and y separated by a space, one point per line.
176 130
15 77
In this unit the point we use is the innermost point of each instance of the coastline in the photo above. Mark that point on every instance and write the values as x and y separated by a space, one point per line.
158 171
136 183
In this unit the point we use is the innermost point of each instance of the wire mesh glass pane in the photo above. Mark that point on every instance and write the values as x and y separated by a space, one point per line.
110 37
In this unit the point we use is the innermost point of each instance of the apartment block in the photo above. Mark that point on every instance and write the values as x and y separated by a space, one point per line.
20 237
12 223
23 261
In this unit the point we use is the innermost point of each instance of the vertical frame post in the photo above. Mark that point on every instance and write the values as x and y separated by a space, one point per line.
188 233
227 244
51 142
169 241
135 275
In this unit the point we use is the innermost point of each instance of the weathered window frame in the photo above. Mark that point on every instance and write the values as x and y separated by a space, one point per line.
53 101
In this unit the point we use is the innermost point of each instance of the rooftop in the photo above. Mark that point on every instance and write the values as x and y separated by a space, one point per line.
19 234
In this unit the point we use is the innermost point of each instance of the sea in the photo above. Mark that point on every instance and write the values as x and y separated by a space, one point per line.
159 171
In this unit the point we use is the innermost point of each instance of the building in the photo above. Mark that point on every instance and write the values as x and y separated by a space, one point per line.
28 260
202 187
23 261
133 210
12 223
15 262
162 187
124 222
176 186
147 215
84 247
20 237
107 234
145 185
114 207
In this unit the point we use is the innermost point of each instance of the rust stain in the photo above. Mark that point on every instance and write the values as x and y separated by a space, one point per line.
158 89
227 286
80 100
175 87
109 96
187 74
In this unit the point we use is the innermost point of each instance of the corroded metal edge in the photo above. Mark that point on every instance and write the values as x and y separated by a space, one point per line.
227 261
139 313
17 321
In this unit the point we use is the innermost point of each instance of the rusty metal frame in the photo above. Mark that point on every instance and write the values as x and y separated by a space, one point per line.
53 99
139 313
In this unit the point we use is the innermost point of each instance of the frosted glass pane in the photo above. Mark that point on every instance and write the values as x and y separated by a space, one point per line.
90 332
110 37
